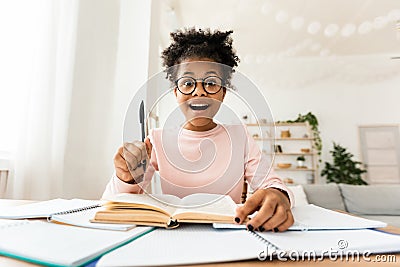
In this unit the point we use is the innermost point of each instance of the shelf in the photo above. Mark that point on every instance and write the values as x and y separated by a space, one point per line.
293 154
300 137
294 169
277 124
284 139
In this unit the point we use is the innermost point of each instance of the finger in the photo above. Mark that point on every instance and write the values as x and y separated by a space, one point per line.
124 175
278 218
286 224
267 210
249 207
120 163
120 152
130 159
142 147
149 146
134 148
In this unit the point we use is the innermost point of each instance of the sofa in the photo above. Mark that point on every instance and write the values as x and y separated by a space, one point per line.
376 202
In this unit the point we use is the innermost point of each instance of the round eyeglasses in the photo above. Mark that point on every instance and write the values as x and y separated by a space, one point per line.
211 84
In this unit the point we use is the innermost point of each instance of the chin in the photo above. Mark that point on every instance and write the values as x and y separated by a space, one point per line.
199 122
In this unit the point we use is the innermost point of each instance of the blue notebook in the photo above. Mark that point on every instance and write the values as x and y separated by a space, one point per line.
60 245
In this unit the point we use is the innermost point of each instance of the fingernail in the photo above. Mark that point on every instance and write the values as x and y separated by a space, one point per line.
276 229
250 227
237 219
262 229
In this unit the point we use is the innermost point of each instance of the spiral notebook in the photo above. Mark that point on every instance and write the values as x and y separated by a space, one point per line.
312 217
43 209
196 244
83 217
77 212
60 245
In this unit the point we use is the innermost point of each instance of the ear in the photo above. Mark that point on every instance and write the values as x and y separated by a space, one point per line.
175 92
223 93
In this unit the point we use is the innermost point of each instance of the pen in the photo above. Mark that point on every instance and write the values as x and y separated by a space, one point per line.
141 120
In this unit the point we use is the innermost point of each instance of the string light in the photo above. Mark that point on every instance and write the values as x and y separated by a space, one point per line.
281 16
348 30
314 27
297 23
365 27
330 30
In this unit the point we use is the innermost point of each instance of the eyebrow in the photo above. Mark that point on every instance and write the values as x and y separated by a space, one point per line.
208 72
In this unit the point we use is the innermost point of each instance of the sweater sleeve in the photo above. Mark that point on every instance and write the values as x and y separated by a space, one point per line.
116 185
259 172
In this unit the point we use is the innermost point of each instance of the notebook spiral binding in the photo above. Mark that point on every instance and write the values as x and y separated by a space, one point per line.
270 248
73 211
13 224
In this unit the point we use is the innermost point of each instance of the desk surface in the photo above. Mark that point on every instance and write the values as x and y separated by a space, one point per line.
376 260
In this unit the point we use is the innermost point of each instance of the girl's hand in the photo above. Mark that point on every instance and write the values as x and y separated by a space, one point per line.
128 162
273 211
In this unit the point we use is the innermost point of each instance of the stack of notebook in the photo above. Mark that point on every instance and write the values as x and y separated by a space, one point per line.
58 244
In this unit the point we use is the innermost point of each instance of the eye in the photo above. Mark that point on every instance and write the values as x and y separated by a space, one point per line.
186 82
212 82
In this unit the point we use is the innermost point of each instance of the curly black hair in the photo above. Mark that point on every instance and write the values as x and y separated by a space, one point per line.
190 43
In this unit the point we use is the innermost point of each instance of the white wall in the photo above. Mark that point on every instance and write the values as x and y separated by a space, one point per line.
342 97
111 64
340 108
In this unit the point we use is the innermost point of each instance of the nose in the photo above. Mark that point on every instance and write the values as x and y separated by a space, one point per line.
199 90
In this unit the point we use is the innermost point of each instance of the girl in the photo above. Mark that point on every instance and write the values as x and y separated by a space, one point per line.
200 64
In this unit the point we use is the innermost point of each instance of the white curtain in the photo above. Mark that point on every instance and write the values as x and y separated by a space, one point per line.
39 52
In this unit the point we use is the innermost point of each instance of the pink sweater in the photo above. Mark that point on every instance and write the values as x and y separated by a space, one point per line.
217 161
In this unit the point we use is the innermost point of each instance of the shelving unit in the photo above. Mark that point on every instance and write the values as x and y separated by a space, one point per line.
301 137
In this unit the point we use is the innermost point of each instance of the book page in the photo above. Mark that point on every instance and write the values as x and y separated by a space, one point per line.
208 204
156 202
84 218
340 240
312 217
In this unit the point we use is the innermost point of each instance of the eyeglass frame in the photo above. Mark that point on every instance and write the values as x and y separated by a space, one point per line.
202 83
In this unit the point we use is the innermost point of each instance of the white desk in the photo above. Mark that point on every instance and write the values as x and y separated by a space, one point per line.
8 262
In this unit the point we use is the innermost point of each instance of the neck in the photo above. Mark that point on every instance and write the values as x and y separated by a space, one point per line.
201 128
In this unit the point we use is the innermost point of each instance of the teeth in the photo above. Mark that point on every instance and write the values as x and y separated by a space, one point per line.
198 106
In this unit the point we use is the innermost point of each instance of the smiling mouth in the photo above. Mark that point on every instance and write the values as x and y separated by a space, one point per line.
199 106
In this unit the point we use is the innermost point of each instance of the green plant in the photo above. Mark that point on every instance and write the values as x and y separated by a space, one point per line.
344 169
301 158
313 122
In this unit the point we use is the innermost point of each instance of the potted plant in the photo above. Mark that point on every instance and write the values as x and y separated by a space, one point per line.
313 122
300 161
344 169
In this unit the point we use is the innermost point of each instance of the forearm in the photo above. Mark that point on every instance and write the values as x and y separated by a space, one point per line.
116 186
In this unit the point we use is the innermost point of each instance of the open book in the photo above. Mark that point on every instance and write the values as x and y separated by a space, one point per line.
167 210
